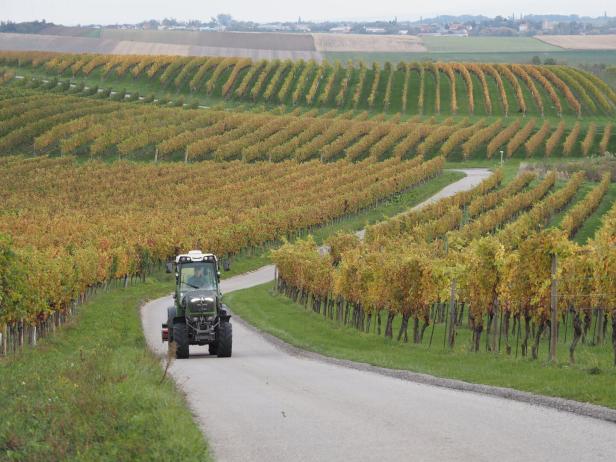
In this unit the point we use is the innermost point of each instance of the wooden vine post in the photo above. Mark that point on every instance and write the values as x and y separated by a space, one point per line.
554 313
452 315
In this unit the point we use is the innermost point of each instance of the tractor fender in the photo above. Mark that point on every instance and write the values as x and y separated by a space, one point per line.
173 317
224 313
171 311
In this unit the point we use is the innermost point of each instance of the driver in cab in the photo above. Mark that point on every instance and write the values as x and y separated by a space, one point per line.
198 279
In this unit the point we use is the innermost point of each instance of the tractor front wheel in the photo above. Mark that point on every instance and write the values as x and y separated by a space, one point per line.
213 348
180 337
225 340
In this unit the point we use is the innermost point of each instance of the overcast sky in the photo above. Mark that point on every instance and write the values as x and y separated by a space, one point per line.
72 12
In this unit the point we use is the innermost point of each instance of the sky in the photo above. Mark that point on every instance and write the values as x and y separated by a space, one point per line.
72 12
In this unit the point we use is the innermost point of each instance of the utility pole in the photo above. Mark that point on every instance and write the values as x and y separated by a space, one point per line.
554 317
501 153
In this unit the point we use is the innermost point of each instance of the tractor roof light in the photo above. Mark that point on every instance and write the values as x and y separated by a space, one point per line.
196 256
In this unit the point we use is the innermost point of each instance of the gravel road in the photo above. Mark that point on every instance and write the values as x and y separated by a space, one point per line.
266 403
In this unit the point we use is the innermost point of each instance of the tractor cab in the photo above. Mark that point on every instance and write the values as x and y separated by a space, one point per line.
196 272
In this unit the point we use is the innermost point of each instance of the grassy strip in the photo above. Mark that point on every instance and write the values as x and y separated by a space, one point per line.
581 193
591 380
510 167
93 391
593 222
245 263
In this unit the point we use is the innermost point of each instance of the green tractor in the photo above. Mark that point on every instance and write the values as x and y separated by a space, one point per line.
198 316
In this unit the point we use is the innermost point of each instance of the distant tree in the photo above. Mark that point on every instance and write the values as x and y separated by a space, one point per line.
169 22
150 24
224 19
32 27
536 60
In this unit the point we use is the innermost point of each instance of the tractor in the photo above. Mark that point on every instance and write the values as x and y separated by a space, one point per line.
198 316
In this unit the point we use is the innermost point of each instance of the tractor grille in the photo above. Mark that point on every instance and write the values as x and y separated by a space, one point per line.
201 305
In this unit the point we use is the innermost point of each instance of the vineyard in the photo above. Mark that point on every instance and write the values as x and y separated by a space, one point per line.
75 227
291 145
37 122
407 88
482 261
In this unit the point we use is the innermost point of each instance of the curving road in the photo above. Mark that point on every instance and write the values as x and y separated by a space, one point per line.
473 177
265 403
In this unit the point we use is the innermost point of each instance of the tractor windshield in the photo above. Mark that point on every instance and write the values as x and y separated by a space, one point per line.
198 275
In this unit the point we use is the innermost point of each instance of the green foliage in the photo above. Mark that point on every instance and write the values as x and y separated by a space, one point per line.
93 392
13 284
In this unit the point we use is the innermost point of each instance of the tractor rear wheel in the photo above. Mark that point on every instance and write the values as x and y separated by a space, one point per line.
225 340
180 337
213 348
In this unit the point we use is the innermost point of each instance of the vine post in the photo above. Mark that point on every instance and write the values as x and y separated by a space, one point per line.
554 313
452 315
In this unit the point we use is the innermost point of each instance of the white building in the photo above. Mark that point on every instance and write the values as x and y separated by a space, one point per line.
340 30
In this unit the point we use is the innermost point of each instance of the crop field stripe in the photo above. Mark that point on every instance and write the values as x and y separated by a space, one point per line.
47 115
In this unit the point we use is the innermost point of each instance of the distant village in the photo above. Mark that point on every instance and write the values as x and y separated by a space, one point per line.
461 26
456 26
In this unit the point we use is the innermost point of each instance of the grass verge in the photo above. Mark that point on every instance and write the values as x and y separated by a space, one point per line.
93 391
590 380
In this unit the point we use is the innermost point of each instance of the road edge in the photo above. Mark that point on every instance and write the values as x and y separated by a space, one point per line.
594 411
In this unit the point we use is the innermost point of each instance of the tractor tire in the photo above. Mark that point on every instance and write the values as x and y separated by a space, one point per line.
225 340
171 311
213 348
180 337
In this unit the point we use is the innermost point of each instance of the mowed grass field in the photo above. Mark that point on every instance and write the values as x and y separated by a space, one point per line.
569 57
485 50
